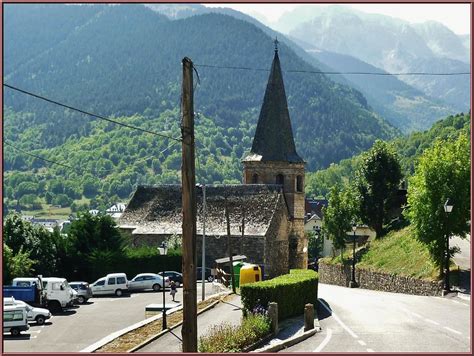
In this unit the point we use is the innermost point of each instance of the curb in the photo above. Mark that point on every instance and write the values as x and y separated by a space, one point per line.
109 338
289 342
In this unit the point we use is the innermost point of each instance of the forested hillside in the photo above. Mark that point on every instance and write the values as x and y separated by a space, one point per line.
409 150
125 62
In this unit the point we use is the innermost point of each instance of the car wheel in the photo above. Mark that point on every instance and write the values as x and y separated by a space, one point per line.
15 332
156 287
210 279
118 293
40 320
81 299
54 306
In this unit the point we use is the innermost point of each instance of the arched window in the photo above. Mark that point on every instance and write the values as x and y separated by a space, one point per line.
299 184
280 179
255 178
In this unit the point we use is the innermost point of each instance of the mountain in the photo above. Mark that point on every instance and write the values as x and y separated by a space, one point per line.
466 41
409 149
442 41
401 104
123 61
390 44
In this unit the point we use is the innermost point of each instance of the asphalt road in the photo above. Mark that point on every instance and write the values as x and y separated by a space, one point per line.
84 325
360 320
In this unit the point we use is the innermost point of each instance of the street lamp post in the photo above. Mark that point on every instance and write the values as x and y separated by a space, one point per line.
352 283
448 207
163 251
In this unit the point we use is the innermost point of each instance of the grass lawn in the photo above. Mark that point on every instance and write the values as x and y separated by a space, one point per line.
401 254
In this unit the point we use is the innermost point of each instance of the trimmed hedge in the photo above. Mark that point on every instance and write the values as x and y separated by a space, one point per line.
291 291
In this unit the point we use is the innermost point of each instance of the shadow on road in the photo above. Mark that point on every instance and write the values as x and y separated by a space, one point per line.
17 338
64 313
323 313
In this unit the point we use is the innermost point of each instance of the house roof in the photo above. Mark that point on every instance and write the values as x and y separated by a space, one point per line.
157 210
273 139
315 206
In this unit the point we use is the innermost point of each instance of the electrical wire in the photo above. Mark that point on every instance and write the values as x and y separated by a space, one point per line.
335 73
88 113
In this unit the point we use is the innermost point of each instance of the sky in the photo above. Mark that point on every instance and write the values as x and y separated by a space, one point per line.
454 16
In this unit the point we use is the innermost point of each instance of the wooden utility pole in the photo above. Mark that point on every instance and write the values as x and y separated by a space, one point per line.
229 247
188 181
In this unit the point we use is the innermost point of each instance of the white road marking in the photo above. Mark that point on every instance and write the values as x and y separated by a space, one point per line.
325 341
370 350
452 330
361 343
432 321
340 321
34 331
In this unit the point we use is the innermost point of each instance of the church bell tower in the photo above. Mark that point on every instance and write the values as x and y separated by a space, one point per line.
273 160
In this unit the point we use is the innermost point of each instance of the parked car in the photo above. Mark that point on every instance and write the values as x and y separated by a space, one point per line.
207 274
38 315
113 283
14 319
84 291
144 281
174 276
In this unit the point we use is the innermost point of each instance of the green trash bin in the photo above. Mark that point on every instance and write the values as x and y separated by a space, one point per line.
237 266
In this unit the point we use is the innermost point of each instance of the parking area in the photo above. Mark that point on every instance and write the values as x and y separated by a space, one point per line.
81 326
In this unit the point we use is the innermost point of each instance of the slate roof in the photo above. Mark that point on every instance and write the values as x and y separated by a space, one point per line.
157 210
273 139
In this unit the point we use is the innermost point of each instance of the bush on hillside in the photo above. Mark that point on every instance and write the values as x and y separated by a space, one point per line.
291 291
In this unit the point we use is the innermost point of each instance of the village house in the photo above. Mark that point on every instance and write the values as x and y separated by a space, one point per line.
266 213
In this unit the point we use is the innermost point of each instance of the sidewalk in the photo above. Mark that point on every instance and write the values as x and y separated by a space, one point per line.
229 312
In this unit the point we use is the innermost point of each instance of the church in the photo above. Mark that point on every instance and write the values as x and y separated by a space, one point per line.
266 212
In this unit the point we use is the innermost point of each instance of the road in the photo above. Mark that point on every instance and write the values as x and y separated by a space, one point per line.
84 325
360 320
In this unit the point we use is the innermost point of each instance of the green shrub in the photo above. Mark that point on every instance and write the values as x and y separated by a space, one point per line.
227 338
291 292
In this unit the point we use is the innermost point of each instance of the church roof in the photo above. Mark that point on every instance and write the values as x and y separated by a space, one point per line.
157 210
273 139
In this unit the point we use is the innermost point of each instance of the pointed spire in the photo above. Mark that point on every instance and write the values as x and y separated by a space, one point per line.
273 139
276 44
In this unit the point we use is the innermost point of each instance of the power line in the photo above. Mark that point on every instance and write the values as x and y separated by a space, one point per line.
90 114
336 73
38 157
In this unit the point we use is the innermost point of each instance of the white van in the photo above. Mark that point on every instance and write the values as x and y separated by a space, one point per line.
58 292
14 319
113 283
38 315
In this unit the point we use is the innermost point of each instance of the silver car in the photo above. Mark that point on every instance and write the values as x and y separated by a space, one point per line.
83 290
144 281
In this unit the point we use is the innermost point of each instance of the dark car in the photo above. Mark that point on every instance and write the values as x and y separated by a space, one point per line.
174 276
207 274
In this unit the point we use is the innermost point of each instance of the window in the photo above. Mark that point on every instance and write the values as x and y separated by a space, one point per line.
100 283
56 286
148 278
255 178
121 280
111 281
280 179
23 284
299 184
138 279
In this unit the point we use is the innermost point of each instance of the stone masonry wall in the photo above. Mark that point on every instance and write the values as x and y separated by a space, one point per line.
333 274
276 243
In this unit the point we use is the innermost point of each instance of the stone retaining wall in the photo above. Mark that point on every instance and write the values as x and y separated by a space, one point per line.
334 274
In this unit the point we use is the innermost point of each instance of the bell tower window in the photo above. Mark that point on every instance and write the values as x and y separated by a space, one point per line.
299 184
255 178
280 179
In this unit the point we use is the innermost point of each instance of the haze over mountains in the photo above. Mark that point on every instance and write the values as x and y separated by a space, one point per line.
391 44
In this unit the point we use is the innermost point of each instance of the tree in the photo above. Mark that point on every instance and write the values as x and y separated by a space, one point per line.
442 172
377 182
16 265
338 216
